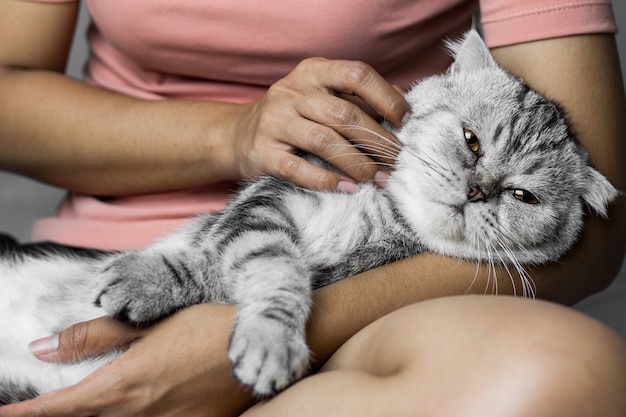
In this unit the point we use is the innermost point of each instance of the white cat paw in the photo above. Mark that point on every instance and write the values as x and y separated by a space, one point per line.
267 355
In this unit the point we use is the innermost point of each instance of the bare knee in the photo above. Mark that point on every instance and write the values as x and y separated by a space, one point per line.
494 356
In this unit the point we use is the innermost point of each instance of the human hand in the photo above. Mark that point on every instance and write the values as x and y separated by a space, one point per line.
178 367
314 109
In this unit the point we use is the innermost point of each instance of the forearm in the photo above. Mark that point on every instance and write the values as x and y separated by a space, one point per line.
67 133
344 308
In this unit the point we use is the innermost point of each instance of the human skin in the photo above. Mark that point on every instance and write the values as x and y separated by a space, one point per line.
135 386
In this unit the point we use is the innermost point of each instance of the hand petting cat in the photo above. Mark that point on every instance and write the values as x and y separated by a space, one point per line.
307 111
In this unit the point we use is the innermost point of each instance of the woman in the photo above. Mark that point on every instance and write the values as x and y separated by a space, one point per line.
183 97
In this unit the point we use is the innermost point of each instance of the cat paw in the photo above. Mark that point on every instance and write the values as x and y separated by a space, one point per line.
140 288
267 355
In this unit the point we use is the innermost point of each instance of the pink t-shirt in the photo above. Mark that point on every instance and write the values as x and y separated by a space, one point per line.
233 51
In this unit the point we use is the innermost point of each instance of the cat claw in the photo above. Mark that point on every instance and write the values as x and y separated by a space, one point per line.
135 288
267 356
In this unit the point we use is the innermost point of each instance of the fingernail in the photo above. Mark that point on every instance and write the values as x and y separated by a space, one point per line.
381 179
406 117
45 348
347 187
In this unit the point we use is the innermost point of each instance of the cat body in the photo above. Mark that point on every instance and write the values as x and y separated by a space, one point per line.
324 253
42 297
487 170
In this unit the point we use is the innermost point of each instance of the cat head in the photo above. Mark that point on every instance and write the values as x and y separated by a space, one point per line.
489 168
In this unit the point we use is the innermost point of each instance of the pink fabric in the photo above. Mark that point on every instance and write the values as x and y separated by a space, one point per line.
232 51
131 222
511 22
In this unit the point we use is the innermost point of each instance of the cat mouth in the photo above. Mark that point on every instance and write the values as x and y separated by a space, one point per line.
458 209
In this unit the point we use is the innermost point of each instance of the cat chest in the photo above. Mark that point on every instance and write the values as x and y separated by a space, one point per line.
331 225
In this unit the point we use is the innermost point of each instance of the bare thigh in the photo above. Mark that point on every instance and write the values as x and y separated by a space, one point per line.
468 356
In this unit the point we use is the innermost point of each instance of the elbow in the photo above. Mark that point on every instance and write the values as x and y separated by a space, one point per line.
608 268
592 265
604 250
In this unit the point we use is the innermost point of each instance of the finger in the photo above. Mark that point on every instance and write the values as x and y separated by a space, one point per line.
103 393
84 340
332 147
295 169
360 79
354 124
377 142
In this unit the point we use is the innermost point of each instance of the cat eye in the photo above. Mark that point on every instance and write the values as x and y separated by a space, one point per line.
472 140
525 196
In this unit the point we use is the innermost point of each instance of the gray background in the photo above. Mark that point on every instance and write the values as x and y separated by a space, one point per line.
23 200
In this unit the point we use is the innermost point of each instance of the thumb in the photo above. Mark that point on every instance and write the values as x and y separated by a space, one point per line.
84 340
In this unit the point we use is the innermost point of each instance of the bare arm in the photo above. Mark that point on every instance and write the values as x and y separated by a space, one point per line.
86 139
67 133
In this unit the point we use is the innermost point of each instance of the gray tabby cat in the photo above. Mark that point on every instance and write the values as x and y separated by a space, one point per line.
487 171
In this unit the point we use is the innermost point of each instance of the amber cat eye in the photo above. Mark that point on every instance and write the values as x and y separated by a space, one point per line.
525 196
472 141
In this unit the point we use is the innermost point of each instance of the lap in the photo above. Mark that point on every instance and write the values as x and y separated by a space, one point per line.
476 355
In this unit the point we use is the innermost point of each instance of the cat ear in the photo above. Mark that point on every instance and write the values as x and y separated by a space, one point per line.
470 53
599 192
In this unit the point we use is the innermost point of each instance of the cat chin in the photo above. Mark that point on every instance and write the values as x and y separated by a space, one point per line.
443 229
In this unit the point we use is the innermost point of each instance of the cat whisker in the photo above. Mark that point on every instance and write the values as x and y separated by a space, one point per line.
368 163
502 256
384 146
384 142
430 160
499 254
385 139
492 276
381 151
473 279
382 164
528 285
433 166
504 248
495 287
530 288
378 149
476 272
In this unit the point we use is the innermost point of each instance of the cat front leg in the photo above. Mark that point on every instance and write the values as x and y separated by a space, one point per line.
147 285
272 289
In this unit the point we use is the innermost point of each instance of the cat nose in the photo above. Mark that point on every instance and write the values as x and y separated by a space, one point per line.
475 194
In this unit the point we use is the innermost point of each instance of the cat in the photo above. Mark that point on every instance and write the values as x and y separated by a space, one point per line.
487 170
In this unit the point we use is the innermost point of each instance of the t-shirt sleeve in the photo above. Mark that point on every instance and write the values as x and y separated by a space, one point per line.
507 22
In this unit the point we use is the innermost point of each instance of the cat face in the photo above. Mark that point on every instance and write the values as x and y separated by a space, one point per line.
489 169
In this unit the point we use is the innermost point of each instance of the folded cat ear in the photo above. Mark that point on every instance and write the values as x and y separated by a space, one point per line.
599 192
470 53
